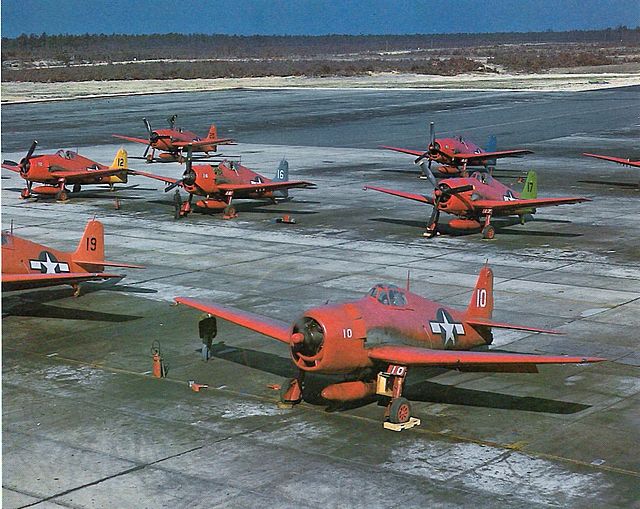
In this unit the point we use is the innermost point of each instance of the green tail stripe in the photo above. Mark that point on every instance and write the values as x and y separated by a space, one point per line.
530 189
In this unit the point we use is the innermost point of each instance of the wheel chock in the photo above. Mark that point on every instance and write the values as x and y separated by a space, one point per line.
411 423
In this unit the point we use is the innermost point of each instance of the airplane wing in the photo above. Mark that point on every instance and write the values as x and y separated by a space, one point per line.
268 326
402 194
267 186
505 206
618 160
168 180
11 167
87 173
404 150
414 356
206 141
491 155
12 282
129 138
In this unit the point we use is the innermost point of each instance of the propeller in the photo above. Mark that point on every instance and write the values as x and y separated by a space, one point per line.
307 338
188 177
442 193
432 147
24 162
153 136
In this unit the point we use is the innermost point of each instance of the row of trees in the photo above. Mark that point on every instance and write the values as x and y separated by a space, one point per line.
114 48
241 69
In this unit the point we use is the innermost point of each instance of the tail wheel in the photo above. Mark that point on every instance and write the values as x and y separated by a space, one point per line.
400 411
488 232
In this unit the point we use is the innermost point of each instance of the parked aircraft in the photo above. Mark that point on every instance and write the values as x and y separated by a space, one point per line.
478 198
619 160
455 154
220 184
173 141
26 264
63 168
377 338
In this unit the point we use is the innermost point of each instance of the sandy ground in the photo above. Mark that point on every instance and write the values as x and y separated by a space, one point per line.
31 92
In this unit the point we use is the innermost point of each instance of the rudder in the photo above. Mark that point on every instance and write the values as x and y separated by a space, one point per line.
282 175
91 246
481 303
530 188
120 162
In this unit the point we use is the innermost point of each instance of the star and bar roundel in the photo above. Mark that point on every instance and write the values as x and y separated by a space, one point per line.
47 263
447 327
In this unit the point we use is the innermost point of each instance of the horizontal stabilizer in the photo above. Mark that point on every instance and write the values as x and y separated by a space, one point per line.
488 323
106 263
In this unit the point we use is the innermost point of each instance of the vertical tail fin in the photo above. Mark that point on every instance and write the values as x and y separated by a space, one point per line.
481 304
120 162
491 146
282 175
91 246
213 135
530 189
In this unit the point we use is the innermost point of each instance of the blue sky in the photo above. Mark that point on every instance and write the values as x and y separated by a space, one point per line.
312 17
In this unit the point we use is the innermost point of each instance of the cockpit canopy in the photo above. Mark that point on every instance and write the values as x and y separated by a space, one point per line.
482 176
66 154
388 295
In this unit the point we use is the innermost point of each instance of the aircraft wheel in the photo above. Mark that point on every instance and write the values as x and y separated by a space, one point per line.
24 194
76 188
177 206
488 232
62 195
400 411
230 211
284 388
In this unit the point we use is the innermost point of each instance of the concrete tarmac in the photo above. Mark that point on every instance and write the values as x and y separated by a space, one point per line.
84 424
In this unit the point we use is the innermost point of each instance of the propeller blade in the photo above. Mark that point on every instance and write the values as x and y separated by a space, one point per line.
171 186
428 173
189 159
32 149
432 224
9 162
457 190
147 125
432 133
146 151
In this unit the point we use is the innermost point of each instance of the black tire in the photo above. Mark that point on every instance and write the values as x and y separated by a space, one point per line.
230 211
400 411
488 232
62 196
177 205
76 188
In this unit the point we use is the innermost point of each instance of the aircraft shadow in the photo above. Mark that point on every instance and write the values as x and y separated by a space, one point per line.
415 390
28 308
608 183
501 228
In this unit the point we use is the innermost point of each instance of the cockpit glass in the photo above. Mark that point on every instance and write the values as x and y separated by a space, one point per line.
388 295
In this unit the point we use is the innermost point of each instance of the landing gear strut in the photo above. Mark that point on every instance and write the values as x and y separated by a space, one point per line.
390 384
488 231
208 328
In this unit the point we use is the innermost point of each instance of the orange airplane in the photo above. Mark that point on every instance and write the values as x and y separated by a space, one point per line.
619 160
376 339
26 264
221 183
455 154
478 198
64 167
172 142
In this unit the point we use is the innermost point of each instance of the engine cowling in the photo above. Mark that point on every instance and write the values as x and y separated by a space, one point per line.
330 339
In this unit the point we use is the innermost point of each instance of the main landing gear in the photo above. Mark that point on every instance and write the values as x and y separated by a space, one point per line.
181 209
390 384
488 231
